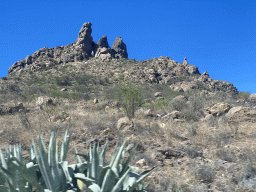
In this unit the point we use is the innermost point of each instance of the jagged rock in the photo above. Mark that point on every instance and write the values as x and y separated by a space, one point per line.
241 114
104 53
252 98
185 61
83 48
119 48
204 77
103 42
217 109
84 40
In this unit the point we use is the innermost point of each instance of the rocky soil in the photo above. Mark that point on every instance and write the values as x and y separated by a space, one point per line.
199 132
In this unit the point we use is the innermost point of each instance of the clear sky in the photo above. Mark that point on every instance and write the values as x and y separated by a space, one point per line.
218 36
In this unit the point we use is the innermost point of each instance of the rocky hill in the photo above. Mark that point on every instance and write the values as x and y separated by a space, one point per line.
198 132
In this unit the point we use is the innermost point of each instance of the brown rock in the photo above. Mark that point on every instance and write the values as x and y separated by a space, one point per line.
252 98
104 53
217 109
125 124
158 94
240 114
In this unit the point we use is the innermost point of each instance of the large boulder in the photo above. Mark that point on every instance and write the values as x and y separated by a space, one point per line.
252 98
104 53
119 48
217 109
125 124
241 114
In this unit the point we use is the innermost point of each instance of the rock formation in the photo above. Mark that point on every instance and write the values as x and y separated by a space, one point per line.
83 48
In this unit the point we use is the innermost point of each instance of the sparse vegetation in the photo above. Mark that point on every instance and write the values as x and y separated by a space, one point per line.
191 152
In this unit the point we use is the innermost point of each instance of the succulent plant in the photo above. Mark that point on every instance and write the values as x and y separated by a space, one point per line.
45 173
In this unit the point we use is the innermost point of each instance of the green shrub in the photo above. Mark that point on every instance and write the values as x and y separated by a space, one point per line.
160 104
129 97
146 105
244 95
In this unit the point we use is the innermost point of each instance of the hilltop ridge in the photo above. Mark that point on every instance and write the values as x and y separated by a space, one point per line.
83 48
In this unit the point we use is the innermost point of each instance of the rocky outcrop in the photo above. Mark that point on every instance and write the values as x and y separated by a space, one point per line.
217 109
252 98
83 48
119 48
241 114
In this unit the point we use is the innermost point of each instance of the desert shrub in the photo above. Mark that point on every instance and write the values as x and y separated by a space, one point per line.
193 152
200 85
189 114
196 102
146 105
63 81
129 97
222 139
82 80
204 173
160 104
192 127
244 95
59 94
178 104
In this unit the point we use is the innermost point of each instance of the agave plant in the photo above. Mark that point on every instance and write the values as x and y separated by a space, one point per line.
45 173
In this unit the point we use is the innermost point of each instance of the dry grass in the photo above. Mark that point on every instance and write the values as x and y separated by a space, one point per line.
214 151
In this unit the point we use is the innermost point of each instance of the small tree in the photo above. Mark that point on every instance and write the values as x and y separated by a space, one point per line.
129 98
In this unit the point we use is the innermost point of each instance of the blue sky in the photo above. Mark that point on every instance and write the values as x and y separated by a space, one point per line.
218 36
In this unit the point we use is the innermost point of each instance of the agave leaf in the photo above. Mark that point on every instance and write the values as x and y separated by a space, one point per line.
88 181
29 173
56 171
108 181
43 165
117 161
102 155
125 164
95 161
143 175
32 156
67 172
94 188
101 174
78 158
65 145
118 185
